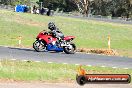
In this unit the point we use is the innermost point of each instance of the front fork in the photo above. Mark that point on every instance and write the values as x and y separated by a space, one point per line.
66 44
40 42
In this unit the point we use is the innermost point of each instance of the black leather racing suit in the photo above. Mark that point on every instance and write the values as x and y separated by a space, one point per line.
56 33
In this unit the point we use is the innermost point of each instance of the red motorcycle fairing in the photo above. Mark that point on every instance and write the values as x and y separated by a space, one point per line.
47 38
69 38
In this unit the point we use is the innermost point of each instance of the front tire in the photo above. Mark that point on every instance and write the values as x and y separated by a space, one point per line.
70 49
39 46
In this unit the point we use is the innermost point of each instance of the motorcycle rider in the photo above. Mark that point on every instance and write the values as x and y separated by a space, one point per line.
55 32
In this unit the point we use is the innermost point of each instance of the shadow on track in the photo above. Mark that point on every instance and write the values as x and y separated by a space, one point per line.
21 49
24 49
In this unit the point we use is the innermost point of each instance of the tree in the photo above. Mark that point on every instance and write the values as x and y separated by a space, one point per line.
70 6
15 2
83 6
120 8
116 8
63 5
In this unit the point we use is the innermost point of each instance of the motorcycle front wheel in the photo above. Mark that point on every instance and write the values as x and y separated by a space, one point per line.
70 49
39 46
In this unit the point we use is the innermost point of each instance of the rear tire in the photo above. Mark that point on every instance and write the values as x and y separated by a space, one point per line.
70 49
39 46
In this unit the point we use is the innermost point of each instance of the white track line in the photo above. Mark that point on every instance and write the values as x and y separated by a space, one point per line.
89 65
50 62
25 60
103 66
125 68
64 63
37 61
77 64
114 67
13 59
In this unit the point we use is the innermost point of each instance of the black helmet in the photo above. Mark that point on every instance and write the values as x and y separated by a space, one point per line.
51 26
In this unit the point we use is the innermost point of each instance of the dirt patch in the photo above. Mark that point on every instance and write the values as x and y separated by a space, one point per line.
6 80
99 51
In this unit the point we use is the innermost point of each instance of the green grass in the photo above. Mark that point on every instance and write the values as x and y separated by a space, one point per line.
89 34
42 71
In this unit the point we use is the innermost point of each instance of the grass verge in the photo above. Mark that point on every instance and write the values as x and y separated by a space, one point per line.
48 72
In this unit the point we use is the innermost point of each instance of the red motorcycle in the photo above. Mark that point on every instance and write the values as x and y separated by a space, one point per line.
46 42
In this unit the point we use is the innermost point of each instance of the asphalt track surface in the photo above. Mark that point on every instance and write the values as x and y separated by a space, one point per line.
77 58
98 19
